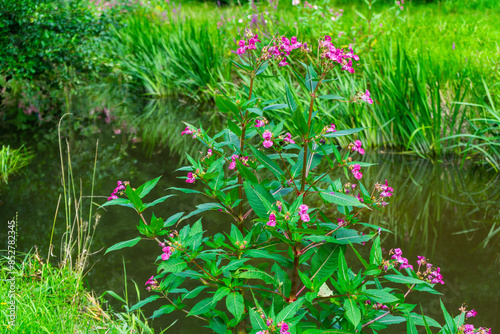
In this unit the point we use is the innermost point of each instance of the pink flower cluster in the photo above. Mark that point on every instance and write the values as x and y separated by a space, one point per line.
272 220
366 97
400 4
282 48
191 177
288 138
284 327
167 252
268 135
329 51
243 47
341 222
356 147
329 129
244 160
469 329
304 216
187 131
153 284
401 260
120 186
385 190
356 171
260 123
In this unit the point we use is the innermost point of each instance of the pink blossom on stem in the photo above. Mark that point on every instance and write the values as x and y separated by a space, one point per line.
283 62
303 209
272 220
190 178
187 131
268 135
232 165
471 313
288 138
259 123
331 128
366 97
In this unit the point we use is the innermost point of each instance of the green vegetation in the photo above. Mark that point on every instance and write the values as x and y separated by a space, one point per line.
12 161
432 67
54 300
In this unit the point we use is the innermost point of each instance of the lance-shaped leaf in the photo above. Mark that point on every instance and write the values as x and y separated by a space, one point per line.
202 307
290 310
352 312
324 263
143 302
172 265
235 304
332 97
289 99
268 163
343 132
259 198
226 105
123 244
341 199
144 189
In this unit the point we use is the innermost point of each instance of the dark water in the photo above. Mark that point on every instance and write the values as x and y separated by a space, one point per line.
448 214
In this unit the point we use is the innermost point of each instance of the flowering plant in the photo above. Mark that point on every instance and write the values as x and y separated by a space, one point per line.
292 196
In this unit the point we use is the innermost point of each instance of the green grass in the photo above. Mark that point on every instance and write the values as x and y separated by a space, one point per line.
427 92
12 161
54 300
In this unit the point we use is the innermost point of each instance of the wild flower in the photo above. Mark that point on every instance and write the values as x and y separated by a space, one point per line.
288 138
268 135
272 220
119 188
355 170
191 177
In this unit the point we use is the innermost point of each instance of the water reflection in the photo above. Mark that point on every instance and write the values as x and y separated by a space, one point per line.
441 211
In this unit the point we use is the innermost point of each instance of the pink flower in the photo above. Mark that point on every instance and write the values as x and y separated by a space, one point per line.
421 260
150 281
303 209
187 131
190 178
366 97
355 169
260 123
341 222
232 165
283 62
305 217
359 197
112 197
272 220
356 147
331 128
288 138
267 135
471 313
268 143
167 252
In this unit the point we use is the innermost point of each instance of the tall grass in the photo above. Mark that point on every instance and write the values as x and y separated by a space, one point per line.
13 160
425 73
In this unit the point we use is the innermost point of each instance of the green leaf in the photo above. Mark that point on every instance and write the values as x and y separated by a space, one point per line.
235 304
172 265
165 309
262 67
118 201
450 324
290 310
268 163
343 132
246 172
242 66
300 121
194 293
404 279
289 99
381 296
257 274
203 306
259 199
410 325
158 201
173 219
234 264
376 252
341 199
217 325
275 106
221 293
185 190
324 263
256 111
143 302
256 320
123 244
225 105
332 97
343 269
144 189
352 312
134 198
